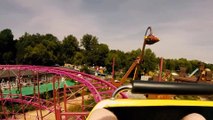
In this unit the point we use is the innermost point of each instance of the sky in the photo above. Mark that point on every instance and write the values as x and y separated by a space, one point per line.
184 27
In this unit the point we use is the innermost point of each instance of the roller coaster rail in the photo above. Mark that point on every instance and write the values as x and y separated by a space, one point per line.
86 87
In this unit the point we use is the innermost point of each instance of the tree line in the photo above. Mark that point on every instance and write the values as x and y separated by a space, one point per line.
48 50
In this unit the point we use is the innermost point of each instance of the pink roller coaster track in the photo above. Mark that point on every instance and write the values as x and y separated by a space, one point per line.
86 85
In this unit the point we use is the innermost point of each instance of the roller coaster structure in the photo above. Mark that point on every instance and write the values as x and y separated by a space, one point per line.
86 91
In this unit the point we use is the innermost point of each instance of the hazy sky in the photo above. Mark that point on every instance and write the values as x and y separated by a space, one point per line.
185 27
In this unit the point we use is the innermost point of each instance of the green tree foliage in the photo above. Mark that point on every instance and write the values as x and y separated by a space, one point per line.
169 64
101 51
182 62
120 60
195 64
175 64
46 49
210 66
38 49
89 42
150 62
7 47
39 55
70 46
79 58
94 52
131 57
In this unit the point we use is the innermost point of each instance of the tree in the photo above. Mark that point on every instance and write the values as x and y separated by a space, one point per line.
78 58
195 64
120 60
131 57
48 50
170 64
70 46
38 49
7 47
101 51
39 55
90 44
182 62
53 46
23 42
210 66
150 61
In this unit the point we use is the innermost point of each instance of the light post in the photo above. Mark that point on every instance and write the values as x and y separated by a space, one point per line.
148 40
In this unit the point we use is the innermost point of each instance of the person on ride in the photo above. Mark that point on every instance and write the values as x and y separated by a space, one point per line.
102 114
193 116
